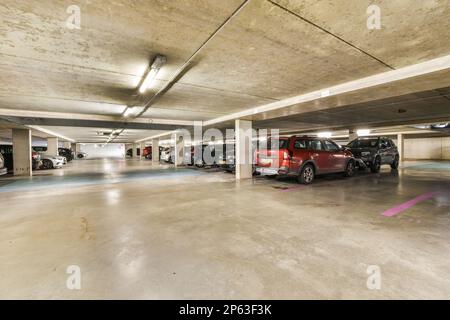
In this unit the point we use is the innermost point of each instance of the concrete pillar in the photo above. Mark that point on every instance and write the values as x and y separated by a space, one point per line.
134 153
179 149
52 146
21 139
243 151
155 150
77 147
142 147
73 147
66 144
352 135
401 146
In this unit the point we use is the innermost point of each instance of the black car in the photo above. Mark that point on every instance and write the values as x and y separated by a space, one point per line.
130 152
65 152
374 152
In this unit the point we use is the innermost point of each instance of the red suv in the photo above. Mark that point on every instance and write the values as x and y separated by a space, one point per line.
304 157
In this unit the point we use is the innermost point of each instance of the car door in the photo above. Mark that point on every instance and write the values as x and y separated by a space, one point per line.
384 152
319 155
299 154
336 156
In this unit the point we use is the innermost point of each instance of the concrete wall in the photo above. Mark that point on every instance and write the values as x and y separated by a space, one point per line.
112 150
427 148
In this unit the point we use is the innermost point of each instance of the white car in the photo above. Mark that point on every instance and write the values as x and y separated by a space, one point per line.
168 154
52 162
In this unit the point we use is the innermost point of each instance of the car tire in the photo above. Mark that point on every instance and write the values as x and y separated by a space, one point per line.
394 165
350 169
47 164
306 175
376 165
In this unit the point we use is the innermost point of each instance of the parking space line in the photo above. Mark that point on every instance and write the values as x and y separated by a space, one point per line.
408 204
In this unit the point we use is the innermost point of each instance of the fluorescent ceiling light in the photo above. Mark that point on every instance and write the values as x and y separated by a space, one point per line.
362 132
52 133
325 134
128 112
158 62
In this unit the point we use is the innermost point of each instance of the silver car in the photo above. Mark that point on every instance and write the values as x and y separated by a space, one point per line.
52 162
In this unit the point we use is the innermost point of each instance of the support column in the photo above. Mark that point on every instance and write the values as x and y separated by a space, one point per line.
155 151
401 146
66 144
179 149
134 153
52 146
142 147
352 135
243 151
77 148
73 147
21 139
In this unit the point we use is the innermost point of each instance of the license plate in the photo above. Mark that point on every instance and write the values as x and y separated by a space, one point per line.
265 161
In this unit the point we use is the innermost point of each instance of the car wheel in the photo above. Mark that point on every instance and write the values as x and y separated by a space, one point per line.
376 165
396 162
47 164
350 169
80 156
306 175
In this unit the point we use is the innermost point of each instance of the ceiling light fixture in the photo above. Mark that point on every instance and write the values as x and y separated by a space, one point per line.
157 63
52 133
363 132
325 134
128 111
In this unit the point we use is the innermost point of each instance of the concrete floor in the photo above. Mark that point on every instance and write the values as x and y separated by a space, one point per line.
156 232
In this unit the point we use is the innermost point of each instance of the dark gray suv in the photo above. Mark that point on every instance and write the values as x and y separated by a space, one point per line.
374 152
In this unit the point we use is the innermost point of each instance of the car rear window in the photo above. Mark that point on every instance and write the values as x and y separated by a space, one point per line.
364 143
277 144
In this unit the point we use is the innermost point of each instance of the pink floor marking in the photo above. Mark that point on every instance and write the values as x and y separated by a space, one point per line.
408 204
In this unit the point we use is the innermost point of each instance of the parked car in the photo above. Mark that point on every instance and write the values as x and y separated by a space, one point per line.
63 152
6 151
304 157
67 153
36 160
130 152
228 158
372 152
52 162
168 154
81 155
147 152
3 169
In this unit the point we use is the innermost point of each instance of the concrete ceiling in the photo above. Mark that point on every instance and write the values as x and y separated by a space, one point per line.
271 50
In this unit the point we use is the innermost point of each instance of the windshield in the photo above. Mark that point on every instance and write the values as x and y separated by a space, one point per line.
364 143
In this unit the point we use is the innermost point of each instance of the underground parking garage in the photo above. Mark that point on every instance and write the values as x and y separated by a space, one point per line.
225 150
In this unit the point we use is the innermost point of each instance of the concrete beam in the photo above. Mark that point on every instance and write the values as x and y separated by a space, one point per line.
423 76
22 163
